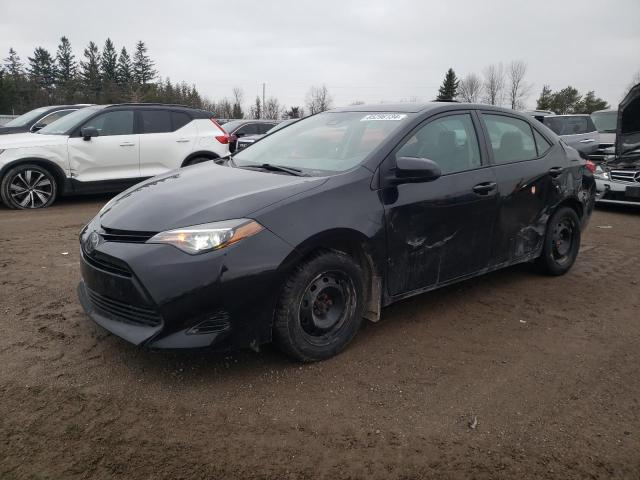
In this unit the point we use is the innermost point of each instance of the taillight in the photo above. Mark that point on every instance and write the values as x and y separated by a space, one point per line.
224 138
590 166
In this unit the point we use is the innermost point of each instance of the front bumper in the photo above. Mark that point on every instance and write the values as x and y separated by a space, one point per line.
157 296
610 191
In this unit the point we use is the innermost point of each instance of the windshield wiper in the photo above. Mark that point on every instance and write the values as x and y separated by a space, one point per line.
276 168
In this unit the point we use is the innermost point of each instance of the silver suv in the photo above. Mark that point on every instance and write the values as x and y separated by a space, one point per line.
605 121
577 131
618 177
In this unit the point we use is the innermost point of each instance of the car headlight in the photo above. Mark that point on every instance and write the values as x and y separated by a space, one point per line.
601 173
208 236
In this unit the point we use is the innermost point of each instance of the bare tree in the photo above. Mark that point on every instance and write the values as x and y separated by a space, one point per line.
318 99
519 90
272 109
494 80
470 88
238 98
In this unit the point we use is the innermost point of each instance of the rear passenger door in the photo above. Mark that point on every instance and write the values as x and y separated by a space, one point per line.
167 137
526 172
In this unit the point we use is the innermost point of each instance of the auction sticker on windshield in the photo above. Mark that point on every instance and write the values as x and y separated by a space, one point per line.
384 116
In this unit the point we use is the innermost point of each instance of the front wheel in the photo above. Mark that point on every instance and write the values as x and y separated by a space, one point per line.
28 186
320 309
561 243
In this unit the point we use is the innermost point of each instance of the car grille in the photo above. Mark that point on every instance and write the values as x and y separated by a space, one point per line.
107 263
129 236
124 312
626 176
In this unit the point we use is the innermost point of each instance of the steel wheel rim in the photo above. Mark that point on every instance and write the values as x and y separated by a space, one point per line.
563 239
30 189
326 304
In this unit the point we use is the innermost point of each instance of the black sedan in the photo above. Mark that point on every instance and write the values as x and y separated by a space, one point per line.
323 223
34 120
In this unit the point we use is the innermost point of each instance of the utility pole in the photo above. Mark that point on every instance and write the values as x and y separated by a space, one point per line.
263 104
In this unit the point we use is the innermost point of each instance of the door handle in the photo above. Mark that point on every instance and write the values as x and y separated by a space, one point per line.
127 144
587 140
484 188
555 171
183 140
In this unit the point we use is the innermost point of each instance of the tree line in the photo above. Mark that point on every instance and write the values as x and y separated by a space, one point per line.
508 87
109 75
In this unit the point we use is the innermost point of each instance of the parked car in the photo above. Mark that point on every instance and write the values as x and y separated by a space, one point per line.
539 114
605 121
578 131
322 223
618 178
242 128
104 148
245 141
34 120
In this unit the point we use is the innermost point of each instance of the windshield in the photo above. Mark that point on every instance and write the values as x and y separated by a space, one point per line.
323 143
606 122
66 124
26 118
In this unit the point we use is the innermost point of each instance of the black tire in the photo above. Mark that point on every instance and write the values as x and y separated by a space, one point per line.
28 186
561 243
320 308
195 161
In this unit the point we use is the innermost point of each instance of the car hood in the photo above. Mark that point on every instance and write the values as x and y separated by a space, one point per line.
199 194
628 126
8 130
28 139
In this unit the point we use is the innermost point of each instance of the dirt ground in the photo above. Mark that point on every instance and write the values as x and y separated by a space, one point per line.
549 367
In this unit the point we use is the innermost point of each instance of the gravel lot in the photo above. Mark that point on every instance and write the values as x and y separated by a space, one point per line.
549 367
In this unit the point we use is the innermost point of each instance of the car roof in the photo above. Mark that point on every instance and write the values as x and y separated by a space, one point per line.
159 106
568 115
407 107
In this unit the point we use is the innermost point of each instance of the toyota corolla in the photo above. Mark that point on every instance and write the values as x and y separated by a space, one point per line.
301 236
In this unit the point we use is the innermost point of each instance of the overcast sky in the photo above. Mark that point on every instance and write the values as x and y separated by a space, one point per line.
368 50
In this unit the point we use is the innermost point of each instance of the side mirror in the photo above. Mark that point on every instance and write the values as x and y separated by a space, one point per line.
89 132
415 170
38 126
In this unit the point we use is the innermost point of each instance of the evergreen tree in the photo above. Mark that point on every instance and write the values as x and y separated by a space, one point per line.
124 71
90 72
143 71
66 72
545 98
109 62
449 88
109 73
42 71
13 64
256 109
590 103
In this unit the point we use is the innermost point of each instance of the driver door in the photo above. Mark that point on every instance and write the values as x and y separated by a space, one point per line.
112 155
441 230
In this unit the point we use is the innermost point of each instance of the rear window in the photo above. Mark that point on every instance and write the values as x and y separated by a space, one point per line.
570 125
179 119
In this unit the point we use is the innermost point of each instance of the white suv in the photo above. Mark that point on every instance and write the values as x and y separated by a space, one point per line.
105 148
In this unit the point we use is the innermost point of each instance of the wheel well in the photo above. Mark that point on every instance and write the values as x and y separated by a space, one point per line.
357 248
55 170
205 154
574 204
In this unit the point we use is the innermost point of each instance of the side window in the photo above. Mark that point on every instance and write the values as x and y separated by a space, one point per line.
118 122
54 116
265 127
179 120
155 121
449 141
542 144
249 129
511 138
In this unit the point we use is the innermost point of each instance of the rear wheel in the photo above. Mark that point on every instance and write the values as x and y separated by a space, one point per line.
320 309
561 243
28 186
